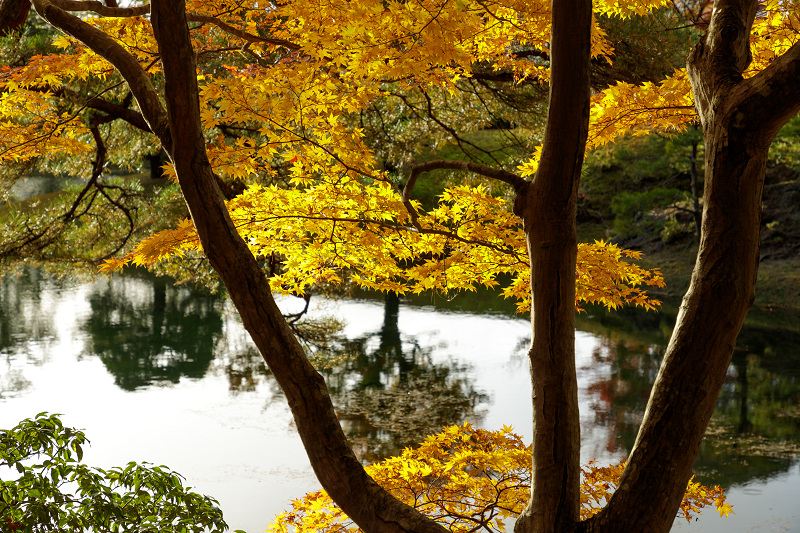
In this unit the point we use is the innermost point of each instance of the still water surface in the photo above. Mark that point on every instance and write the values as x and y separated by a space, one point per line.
163 374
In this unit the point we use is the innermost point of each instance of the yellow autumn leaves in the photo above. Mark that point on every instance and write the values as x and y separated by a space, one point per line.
286 115
347 230
468 479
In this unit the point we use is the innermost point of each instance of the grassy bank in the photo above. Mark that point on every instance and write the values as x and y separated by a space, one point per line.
778 279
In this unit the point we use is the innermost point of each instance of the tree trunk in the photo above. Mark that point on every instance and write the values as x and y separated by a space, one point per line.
13 14
548 207
335 465
696 212
740 118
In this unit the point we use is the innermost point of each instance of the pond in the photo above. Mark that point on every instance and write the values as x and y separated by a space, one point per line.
165 374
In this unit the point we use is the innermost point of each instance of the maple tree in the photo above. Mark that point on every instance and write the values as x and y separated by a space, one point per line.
470 480
274 97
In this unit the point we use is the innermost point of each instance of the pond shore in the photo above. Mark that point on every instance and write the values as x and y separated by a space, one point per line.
778 283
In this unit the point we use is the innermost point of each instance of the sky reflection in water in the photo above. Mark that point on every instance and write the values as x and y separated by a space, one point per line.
163 374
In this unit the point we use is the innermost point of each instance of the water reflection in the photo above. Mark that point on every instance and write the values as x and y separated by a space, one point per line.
24 311
390 394
26 317
402 374
620 393
147 331
755 430
386 388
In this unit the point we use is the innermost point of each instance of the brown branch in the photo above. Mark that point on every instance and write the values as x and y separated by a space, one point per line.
101 9
448 164
505 176
127 65
191 17
771 97
97 169
115 111
460 141
13 14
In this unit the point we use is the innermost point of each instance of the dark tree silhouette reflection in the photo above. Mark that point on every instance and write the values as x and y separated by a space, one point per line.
390 393
387 390
146 330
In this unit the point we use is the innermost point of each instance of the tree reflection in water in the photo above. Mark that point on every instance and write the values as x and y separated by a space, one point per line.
390 391
26 316
621 394
390 394
146 330
387 390
755 430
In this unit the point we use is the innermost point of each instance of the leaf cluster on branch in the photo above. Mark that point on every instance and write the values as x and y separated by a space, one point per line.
472 480
287 99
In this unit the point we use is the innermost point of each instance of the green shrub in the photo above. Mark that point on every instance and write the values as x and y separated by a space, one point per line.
54 491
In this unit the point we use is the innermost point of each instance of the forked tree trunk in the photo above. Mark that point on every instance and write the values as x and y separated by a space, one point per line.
547 207
740 118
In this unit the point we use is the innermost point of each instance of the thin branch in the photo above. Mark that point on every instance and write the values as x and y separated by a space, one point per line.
452 131
448 164
505 176
506 250
102 9
115 111
191 17
97 169
102 44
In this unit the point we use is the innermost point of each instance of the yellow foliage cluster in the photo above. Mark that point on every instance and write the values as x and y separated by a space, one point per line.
469 479
340 54
331 229
639 109
282 108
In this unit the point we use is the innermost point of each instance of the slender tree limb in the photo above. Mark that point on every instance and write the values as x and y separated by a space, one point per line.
119 112
130 69
445 164
505 176
459 140
191 17
415 228
98 165
101 8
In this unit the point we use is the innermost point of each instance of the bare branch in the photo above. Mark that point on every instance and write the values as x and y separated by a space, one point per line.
505 176
102 9
447 164
97 170
116 111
